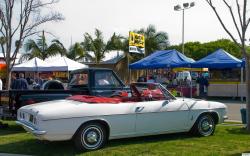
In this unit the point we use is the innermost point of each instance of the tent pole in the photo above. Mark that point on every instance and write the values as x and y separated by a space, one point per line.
128 69
241 81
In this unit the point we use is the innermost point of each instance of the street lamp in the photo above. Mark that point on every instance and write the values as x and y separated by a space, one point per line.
182 8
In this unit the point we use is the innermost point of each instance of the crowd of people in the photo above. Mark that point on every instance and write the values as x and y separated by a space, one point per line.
171 80
19 82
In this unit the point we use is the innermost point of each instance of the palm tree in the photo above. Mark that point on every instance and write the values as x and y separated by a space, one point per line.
98 45
76 52
41 49
154 40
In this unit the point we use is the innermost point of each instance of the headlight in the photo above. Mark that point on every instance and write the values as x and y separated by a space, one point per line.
28 117
21 115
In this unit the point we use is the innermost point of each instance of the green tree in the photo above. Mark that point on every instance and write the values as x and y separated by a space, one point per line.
99 46
154 40
76 52
197 50
18 21
41 49
239 12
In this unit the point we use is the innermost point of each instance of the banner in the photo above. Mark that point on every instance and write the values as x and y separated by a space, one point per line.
136 43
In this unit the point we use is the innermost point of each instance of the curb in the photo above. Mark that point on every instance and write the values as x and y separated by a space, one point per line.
237 121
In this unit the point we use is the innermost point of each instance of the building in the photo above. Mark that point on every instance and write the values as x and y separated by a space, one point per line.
118 62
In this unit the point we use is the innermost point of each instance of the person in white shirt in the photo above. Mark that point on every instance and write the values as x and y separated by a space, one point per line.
1 84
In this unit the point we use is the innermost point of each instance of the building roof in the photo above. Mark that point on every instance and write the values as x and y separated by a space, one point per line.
114 60
111 57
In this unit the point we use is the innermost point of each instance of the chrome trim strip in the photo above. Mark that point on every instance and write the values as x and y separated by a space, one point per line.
32 129
136 113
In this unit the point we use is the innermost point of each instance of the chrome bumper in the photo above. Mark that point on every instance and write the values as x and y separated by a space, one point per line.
30 128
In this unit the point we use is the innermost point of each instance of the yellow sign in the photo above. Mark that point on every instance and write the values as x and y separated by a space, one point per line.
60 74
137 40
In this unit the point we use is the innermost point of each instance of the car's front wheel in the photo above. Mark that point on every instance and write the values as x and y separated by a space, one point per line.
91 136
204 126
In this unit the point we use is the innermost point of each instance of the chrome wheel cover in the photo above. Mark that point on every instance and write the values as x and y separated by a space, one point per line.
206 126
92 137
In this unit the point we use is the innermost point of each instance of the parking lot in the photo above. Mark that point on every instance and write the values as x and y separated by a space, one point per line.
234 107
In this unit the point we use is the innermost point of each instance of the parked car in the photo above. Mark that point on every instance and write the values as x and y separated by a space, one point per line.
149 109
87 81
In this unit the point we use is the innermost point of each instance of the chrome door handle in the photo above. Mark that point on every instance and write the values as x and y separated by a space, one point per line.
139 109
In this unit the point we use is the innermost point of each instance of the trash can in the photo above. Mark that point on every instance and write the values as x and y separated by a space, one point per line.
243 112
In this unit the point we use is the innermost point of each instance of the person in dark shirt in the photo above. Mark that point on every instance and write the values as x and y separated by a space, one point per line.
13 81
203 84
38 82
21 83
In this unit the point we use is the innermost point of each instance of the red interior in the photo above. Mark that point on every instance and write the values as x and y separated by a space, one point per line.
95 99
146 95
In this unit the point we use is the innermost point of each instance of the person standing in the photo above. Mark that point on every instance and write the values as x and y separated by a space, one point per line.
22 83
19 84
13 81
203 84
38 81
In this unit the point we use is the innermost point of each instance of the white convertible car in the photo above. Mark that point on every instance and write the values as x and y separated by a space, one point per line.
148 110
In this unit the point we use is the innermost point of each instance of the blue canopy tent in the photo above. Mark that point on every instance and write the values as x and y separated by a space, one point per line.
219 59
163 59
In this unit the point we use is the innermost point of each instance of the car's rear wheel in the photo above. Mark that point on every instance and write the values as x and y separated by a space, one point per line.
204 126
91 136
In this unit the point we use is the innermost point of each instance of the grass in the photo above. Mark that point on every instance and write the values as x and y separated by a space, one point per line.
227 140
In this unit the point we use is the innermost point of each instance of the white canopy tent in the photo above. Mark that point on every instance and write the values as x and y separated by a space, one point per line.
64 61
37 65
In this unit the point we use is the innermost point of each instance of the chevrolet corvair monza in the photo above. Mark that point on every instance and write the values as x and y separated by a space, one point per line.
91 121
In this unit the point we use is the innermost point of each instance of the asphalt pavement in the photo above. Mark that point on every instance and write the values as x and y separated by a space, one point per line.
233 109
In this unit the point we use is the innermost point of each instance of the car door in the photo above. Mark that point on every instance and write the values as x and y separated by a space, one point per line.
161 116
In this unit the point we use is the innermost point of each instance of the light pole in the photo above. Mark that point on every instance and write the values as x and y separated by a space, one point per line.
183 8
